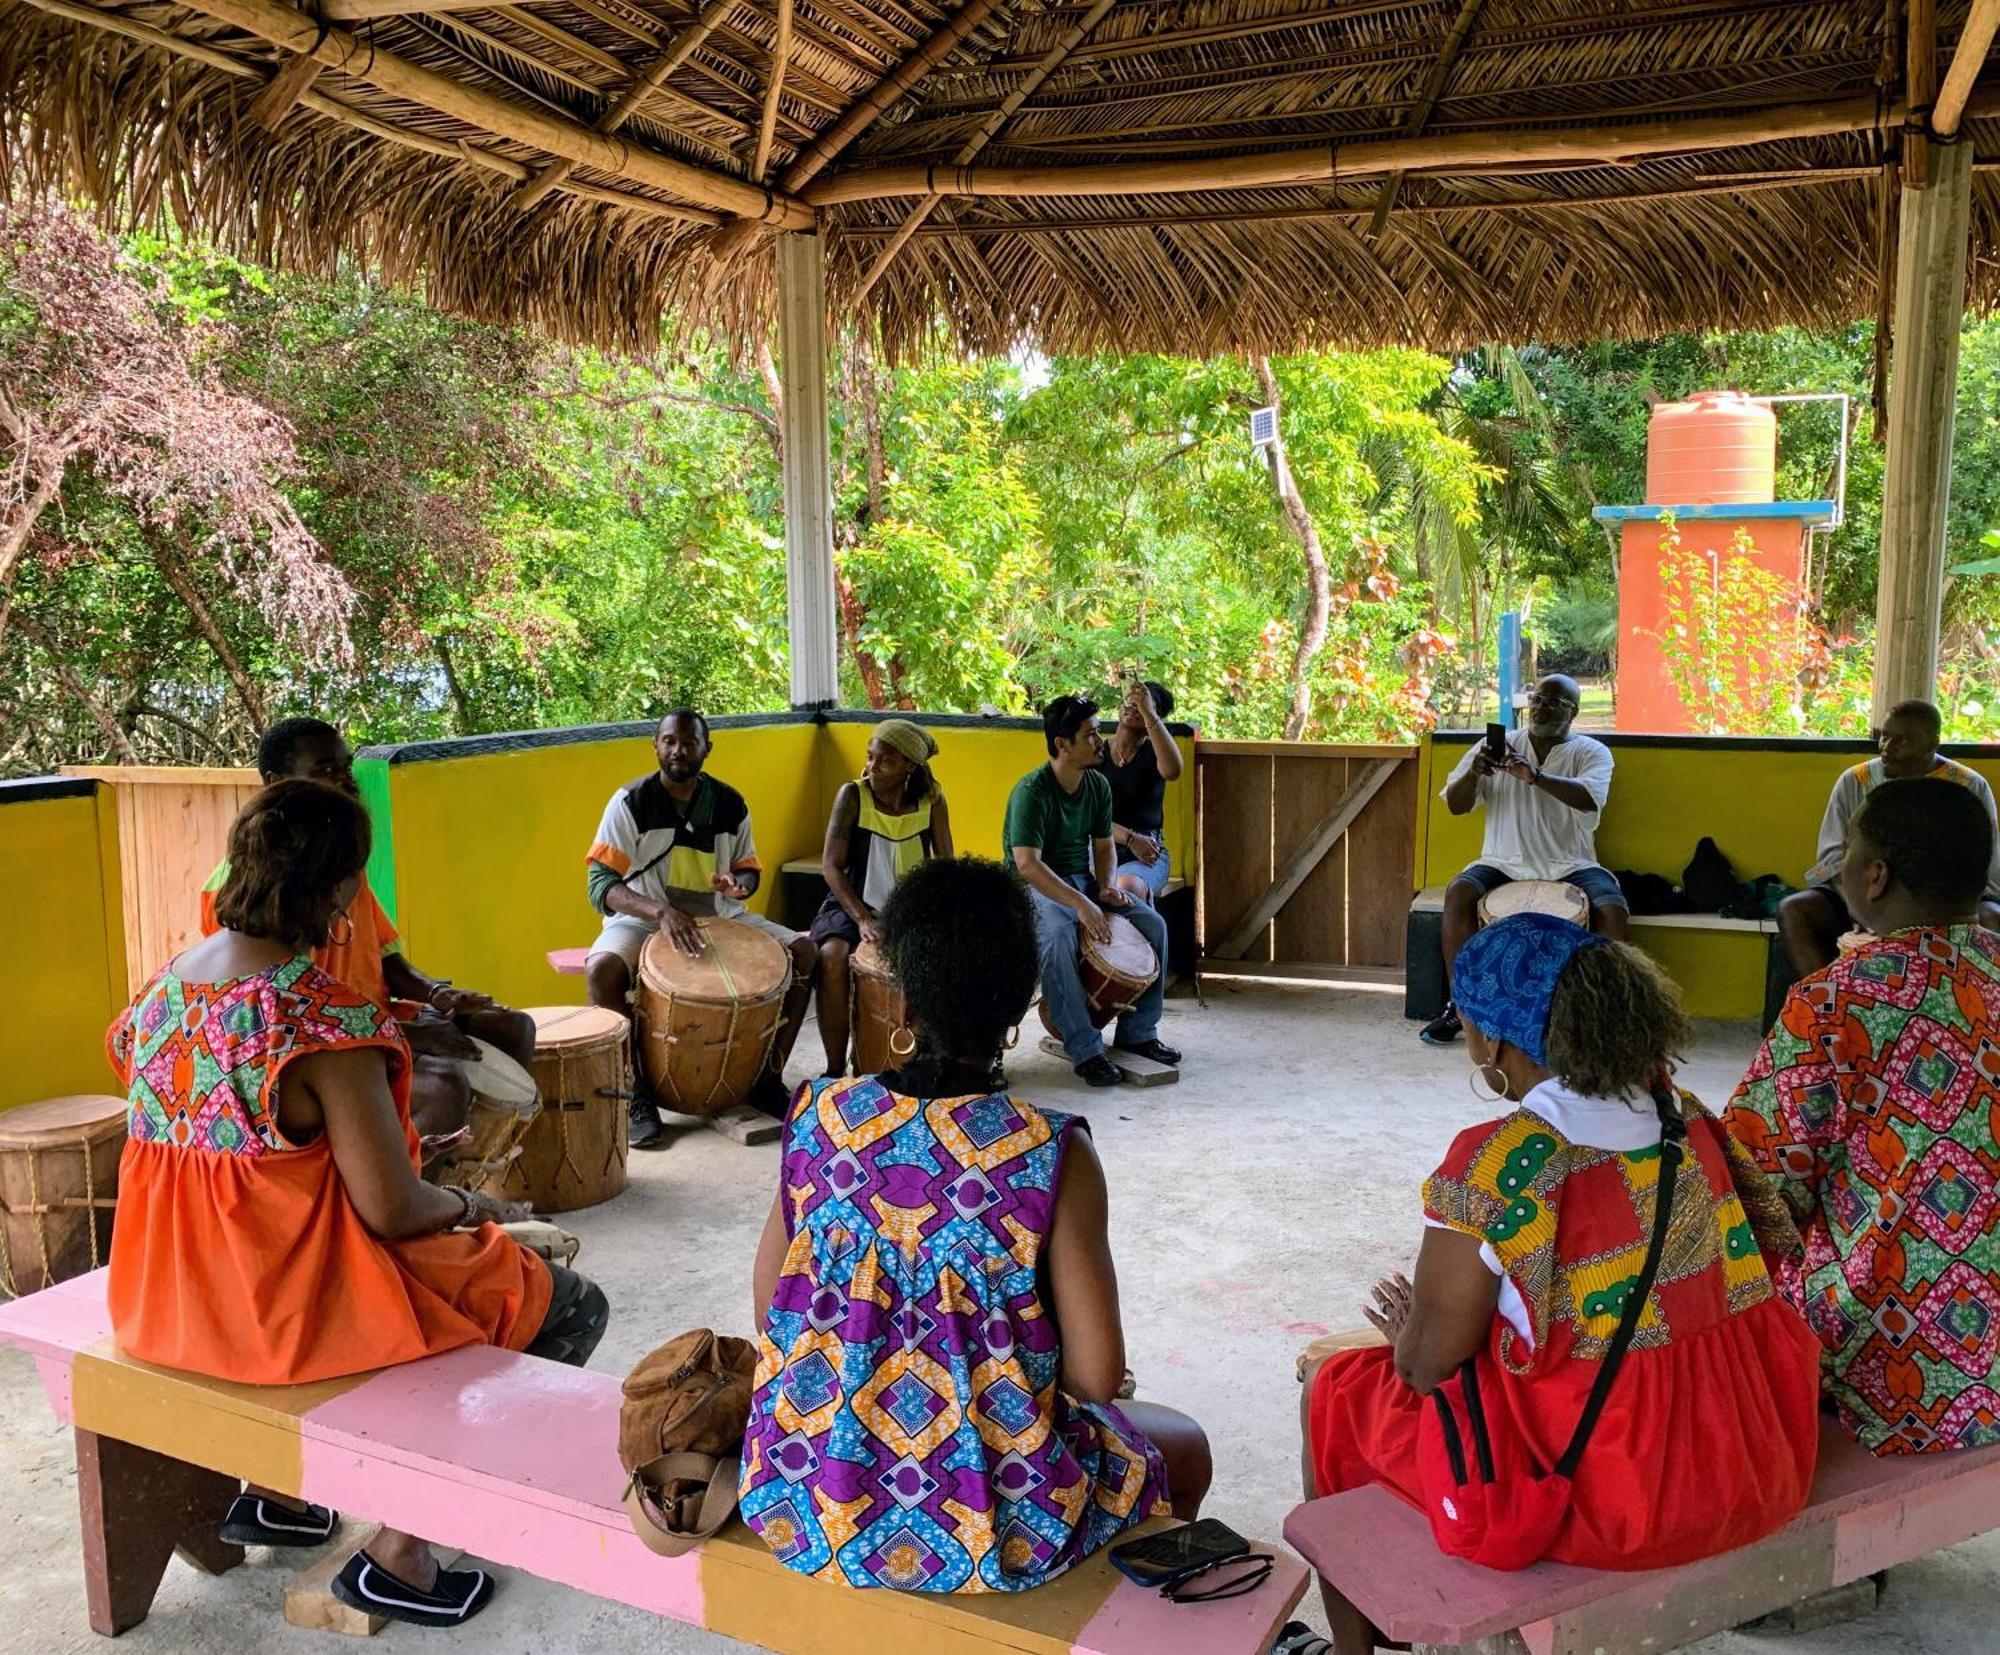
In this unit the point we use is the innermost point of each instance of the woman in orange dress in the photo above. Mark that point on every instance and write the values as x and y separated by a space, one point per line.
1538 1225
273 1228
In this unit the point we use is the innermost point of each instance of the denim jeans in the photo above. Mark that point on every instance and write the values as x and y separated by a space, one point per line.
1154 875
1056 938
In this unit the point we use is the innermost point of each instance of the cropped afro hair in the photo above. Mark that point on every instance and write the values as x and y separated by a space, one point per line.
960 937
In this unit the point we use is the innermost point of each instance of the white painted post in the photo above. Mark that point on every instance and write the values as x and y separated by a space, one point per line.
808 481
1931 246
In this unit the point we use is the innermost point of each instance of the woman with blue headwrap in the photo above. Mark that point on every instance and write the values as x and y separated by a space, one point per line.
1539 1223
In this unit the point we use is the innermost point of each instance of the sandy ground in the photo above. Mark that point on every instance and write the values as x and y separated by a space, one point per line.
1252 1205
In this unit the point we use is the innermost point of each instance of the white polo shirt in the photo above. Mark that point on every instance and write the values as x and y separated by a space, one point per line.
1529 834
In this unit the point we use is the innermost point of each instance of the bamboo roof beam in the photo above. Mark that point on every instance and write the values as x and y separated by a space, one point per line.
347 115
1975 40
767 128
1468 152
1433 89
646 81
1920 87
366 11
342 50
990 128
278 99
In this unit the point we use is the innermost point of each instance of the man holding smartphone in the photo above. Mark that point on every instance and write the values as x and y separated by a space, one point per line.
1544 789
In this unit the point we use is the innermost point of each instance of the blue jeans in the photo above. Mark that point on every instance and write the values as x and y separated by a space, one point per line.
1154 876
1056 937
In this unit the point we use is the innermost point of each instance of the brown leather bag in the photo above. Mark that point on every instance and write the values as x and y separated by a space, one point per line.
680 1436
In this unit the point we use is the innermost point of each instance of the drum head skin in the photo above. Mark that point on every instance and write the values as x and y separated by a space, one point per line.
497 1077
557 1027
1128 952
1536 896
869 961
738 963
89 1115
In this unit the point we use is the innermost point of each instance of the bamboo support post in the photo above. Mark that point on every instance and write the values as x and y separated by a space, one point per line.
1932 244
340 49
1449 153
1975 40
647 81
989 129
767 128
1420 113
809 598
1919 88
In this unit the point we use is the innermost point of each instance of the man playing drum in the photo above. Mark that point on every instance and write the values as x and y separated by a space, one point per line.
672 846
1813 921
1058 834
1543 801
366 954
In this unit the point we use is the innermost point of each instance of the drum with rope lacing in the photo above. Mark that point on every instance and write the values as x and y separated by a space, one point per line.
706 1021
58 1188
573 1152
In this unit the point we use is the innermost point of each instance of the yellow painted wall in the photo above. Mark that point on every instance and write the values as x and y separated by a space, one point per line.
978 767
490 848
65 980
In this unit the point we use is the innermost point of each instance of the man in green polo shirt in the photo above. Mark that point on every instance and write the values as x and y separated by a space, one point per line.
1058 834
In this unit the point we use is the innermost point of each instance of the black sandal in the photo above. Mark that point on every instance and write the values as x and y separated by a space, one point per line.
254 1521
454 1599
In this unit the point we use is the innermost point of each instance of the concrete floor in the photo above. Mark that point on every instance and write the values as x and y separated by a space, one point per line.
1252 1206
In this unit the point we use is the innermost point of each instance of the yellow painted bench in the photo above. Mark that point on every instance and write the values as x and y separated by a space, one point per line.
513 1459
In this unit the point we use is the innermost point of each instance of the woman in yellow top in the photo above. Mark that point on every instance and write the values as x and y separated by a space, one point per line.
882 826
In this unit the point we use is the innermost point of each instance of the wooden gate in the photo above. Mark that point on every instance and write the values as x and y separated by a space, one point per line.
1307 857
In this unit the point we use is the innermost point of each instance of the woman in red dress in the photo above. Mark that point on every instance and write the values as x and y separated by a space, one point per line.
1537 1221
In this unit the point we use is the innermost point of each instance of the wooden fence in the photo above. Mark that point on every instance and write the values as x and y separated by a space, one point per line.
173 827
1307 857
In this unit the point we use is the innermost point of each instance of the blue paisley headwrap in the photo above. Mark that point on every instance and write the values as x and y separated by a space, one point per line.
1505 978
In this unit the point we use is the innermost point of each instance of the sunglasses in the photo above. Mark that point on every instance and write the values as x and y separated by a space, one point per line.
1226 1577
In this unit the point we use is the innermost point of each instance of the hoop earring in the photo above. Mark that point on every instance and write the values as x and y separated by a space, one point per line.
1013 1038
909 1042
1478 1073
336 938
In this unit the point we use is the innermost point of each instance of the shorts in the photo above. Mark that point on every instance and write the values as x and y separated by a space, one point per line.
1598 884
834 923
625 936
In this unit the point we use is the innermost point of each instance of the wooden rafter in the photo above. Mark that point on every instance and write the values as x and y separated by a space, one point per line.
767 127
347 115
989 129
366 11
292 82
646 81
339 49
1975 40
1420 111
1919 86
1334 163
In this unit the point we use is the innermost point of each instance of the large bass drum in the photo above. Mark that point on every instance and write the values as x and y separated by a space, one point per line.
706 1021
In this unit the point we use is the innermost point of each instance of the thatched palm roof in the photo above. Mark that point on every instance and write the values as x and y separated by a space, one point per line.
1170 174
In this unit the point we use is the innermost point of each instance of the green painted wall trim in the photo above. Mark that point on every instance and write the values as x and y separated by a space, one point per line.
371 775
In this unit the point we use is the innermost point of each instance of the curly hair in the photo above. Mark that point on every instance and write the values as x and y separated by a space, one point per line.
1615 1023
960 937
290 850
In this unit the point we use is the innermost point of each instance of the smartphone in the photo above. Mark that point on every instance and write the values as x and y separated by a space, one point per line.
1496 743
1161 1559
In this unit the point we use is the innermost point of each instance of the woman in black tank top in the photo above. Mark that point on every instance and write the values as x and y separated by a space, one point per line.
1140 758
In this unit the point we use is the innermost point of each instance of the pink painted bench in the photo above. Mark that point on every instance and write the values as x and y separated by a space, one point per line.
511 1459
568 962
1865 1515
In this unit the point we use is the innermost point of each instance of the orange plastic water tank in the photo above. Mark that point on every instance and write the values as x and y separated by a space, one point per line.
1716 448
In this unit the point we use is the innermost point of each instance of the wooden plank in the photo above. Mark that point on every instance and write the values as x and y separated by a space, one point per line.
1304 971
1288 878
1311 927
1307 749
1236 841
1381 872
744 1125
309 1600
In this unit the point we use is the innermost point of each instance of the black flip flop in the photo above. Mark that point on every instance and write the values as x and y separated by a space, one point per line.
258 1522
458 1595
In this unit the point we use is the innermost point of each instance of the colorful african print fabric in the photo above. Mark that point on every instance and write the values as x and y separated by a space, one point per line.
908 1429
1712 1430
1873 1104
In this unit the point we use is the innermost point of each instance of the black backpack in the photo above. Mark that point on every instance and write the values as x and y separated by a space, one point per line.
1709 881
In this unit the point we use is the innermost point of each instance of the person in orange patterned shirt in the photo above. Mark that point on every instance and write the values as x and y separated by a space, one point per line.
366 954
1871 1105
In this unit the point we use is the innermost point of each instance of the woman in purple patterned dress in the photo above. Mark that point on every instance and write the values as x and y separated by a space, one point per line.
940 1343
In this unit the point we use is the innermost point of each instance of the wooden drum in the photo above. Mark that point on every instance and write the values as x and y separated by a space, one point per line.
1536 896
58 1189
1115 973
504 1105
877 1010
706 1023
573 1154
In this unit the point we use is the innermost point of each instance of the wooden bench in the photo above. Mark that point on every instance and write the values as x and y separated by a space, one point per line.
513 1460
1865 1515
1665 935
